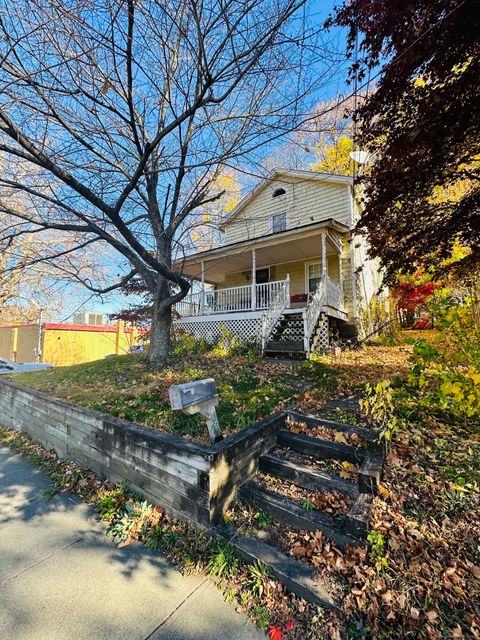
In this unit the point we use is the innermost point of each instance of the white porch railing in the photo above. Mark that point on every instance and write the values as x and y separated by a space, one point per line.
272 315
231 299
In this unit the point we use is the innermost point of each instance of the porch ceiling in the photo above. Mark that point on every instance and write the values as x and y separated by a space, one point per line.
239 258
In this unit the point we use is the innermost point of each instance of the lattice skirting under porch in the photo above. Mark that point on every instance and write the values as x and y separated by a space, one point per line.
321 341
247 329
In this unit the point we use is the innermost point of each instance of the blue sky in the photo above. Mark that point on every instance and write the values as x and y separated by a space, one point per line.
336 85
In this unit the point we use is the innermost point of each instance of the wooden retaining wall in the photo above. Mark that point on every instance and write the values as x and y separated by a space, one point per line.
190 481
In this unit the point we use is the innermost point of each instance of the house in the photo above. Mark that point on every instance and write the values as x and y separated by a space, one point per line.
289 274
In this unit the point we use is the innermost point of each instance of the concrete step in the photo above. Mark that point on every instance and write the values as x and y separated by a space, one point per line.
303 476
289 513
296 577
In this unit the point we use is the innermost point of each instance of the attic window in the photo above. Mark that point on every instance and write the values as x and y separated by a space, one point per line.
278 222
278 192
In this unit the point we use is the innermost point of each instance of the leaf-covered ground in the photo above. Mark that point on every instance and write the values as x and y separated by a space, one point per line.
249 388
419 574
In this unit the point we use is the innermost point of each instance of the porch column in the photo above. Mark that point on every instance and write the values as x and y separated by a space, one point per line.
324 257
254 280
202 292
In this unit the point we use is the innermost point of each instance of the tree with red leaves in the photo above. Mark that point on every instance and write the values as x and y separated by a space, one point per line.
422 124
412 295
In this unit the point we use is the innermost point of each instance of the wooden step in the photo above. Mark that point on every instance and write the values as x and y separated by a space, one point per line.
371 471
320 448
285 345
289 513
305 477
296 577
357 520
369 435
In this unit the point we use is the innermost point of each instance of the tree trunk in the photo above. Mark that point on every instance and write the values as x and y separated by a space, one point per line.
160 335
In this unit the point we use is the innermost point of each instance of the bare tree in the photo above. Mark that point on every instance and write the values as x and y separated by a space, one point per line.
38 264
128 111
308 144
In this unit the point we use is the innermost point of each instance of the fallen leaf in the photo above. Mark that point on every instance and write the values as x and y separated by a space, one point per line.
275 633
299 551
414 613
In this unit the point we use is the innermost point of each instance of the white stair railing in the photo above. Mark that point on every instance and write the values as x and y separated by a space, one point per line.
312 313
272 315
335 297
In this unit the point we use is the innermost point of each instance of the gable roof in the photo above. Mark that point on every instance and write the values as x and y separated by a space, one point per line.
275 175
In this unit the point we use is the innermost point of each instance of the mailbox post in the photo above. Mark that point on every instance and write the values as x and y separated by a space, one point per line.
198 397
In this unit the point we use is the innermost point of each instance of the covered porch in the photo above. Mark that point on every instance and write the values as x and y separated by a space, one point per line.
252 276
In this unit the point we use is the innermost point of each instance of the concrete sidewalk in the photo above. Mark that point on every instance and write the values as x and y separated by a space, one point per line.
61 579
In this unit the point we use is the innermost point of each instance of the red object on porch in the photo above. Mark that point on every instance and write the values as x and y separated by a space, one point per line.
300 297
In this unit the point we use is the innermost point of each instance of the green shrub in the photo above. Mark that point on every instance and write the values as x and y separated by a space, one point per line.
184 344
231 345
379 406
222 561
448 372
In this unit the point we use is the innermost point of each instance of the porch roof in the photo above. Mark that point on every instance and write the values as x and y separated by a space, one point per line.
290 245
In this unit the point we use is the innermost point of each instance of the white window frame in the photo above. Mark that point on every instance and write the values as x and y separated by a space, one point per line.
309 264
279 213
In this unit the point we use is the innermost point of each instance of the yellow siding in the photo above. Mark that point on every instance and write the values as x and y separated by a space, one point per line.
27 344
347 277
63 348
306 201
296 271
6 342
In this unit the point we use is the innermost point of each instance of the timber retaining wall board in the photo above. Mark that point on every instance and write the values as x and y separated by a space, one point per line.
189 480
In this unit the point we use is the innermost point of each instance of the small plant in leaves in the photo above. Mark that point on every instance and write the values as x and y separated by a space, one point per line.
377 549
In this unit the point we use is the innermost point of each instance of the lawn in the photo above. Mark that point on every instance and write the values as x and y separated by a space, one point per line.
249 388
419 574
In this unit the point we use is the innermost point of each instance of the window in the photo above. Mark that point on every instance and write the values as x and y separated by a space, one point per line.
262 275
278 192
314 276
278 222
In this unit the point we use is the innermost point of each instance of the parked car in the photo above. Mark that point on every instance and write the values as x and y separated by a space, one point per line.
136 348
7 366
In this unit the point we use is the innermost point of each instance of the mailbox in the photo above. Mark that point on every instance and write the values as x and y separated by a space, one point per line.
185 395
198 397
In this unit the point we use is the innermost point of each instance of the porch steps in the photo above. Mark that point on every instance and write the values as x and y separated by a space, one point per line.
290 327
285 346
296 577
287 337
